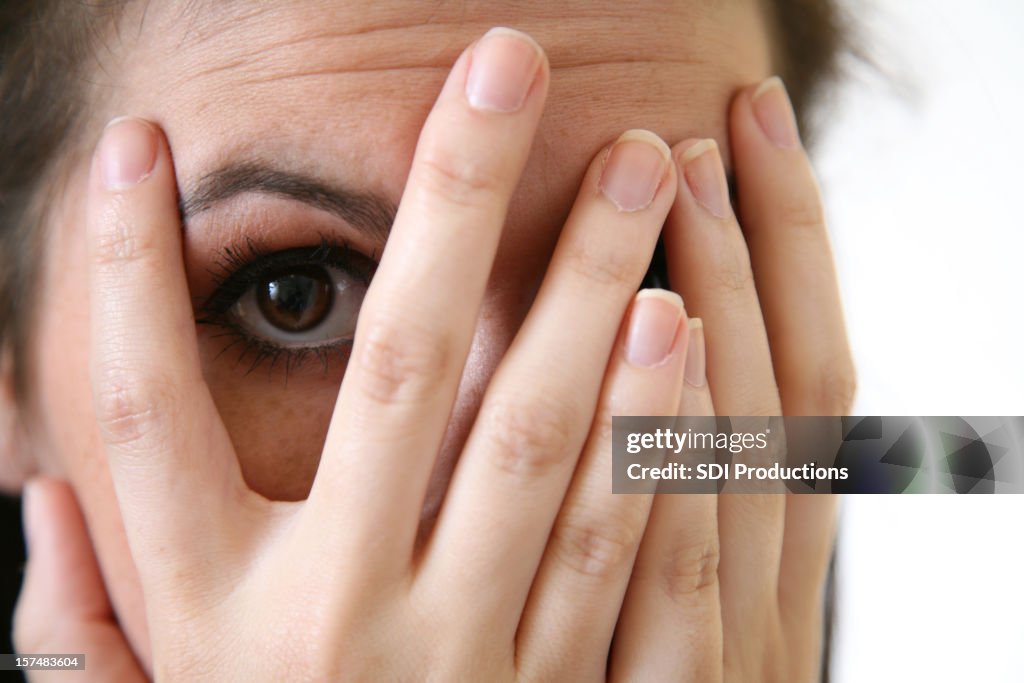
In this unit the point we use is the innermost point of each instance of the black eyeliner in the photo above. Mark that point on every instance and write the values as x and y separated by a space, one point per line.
240 268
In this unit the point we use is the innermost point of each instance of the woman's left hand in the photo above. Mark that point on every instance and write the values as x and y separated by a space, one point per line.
731 587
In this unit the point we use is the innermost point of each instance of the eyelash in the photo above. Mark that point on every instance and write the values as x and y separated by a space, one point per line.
238 269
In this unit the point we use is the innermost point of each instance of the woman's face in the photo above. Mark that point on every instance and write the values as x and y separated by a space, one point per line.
293 125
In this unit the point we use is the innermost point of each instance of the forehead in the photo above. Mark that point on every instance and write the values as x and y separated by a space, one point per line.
340 89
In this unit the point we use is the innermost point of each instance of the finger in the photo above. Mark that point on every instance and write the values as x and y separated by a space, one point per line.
418 318
577 595
63 605
696 394
671 623
172 463
514 472
710 265
784 221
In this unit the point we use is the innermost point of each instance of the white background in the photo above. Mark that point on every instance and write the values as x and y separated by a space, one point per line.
923 173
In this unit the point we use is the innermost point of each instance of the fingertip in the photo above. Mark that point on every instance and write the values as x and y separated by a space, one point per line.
506 67
762 119
695 372
773 111
702 173
133 191
636 171
42 500
127 153
656 328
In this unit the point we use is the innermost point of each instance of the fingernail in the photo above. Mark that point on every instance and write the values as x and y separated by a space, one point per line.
695 371
502 69
774 113
127 153
702 167
29 512
634 169
654 322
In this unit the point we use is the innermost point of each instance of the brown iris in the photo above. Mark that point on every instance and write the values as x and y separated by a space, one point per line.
297 299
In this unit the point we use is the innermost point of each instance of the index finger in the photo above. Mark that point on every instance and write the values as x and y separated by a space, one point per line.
418 318
170 457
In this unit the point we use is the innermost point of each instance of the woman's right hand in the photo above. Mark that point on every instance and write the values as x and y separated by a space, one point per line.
525 571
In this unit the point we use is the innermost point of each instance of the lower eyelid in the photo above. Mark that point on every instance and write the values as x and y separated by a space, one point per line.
248 354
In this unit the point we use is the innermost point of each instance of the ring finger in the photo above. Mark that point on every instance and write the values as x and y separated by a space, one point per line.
710 265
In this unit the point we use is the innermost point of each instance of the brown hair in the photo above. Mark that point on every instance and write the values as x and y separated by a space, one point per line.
811 36
45 46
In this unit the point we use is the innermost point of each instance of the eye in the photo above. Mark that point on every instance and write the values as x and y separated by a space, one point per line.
298 301
301 306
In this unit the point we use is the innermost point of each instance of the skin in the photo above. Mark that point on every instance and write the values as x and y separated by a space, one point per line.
280 86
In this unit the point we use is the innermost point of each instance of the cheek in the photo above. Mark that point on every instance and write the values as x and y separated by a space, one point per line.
277 417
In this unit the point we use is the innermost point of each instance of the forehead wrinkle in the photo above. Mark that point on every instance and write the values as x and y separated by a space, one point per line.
437 45
262 54
581 68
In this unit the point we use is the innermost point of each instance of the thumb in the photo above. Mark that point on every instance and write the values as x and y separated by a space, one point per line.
63 607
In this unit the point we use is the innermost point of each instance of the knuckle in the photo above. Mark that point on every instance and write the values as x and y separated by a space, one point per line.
601 548
835 388
399 364
130 408
530 438
803 214
731 270
691 568
459 178
604 266
118 240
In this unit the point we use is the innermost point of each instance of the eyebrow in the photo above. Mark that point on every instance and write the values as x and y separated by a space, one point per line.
365 211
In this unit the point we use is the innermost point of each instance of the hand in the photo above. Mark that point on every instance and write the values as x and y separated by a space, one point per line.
731 587
63 605
525 571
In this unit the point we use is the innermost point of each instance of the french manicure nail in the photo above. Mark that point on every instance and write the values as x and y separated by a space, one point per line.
634 169
774 113
654 323
702 167
127 153
695 371
502 69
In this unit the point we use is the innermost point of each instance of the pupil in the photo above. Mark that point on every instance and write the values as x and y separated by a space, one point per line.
297 300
